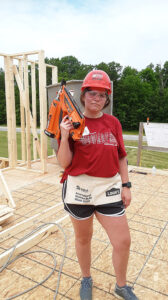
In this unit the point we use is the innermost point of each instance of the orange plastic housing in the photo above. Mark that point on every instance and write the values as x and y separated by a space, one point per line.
63 105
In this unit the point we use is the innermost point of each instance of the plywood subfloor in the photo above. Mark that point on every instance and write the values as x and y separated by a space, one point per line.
148 221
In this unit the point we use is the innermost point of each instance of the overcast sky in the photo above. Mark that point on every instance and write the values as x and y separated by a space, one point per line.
130 32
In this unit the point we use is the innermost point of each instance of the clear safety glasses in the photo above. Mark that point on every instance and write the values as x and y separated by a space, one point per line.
94 94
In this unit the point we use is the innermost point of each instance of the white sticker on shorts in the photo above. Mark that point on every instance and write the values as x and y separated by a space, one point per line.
82 195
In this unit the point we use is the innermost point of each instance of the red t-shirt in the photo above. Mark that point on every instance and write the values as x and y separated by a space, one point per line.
97 153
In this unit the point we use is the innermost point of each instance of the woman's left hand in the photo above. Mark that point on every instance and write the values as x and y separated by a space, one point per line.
126 196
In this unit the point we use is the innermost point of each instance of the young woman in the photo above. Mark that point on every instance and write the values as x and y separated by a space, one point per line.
95 182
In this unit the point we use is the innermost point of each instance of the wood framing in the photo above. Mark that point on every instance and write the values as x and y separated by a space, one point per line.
140 145
34 112
11 231
6 191
10 108
22 112
23 100
30 241
43 110
28 117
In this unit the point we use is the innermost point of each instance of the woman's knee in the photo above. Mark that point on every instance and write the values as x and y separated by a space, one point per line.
122 243
84 238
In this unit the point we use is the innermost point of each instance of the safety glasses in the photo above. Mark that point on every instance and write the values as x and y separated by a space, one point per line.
94 94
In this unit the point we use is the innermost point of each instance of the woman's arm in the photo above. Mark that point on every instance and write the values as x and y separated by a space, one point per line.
123 170
64 154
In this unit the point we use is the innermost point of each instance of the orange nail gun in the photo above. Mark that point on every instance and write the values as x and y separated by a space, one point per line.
63 105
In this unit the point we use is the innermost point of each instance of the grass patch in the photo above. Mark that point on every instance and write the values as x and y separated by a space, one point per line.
148 158
4 145
131 132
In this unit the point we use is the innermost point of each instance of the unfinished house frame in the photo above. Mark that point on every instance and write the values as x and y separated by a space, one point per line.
19 71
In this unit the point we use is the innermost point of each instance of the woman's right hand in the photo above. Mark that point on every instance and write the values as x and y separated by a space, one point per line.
65 127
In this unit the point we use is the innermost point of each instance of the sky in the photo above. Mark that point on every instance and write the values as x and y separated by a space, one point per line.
130 32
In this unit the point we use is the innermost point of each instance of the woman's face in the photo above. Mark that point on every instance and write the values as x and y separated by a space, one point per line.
94 100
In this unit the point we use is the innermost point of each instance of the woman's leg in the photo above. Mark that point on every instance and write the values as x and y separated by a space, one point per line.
83 234
119 235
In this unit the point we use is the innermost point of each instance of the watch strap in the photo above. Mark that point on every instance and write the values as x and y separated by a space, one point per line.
126 184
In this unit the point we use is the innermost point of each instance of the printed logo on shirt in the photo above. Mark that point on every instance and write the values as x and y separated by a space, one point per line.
105 138
112 192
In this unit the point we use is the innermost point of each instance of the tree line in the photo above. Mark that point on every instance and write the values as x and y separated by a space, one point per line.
136 94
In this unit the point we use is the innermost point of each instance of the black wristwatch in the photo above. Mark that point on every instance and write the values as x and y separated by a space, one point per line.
127 184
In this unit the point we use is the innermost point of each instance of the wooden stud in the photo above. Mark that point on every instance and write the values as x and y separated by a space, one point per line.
6 190
34 114
8 108
28 132
22 115
54 75
11 116
43 110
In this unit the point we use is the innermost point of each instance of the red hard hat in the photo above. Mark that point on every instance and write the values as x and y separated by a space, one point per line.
97 79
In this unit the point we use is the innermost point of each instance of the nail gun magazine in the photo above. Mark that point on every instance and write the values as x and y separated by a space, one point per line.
63 105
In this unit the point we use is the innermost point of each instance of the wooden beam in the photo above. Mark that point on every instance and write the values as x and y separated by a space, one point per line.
22 114
34 113
4 54
25 53
30 241
6 190
28 132
10 108
54 75
50 66
43 110
21 226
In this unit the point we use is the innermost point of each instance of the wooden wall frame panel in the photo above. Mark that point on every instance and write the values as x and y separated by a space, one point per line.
27 118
